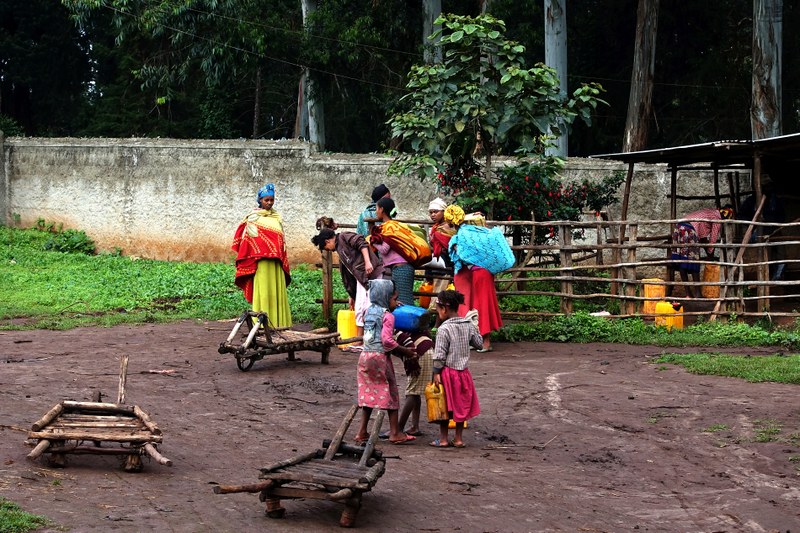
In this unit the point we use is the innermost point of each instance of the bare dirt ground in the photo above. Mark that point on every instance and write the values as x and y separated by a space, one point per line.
592 437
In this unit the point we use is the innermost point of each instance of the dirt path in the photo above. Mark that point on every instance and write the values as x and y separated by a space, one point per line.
571 438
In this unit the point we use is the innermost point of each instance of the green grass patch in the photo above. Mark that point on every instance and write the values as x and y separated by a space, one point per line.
755 369
57 290
60 287
14 520
716 428
767 430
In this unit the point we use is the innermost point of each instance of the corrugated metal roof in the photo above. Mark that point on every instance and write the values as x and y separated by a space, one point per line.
718 153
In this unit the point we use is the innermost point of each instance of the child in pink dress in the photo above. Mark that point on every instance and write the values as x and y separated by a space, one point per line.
450 366
377 385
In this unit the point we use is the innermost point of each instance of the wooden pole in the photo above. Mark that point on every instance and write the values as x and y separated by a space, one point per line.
70 405
253 487
327 285
630 272
373 438
48 417
39 449
145 418
123 378
565 238
152 452
337 439
738 260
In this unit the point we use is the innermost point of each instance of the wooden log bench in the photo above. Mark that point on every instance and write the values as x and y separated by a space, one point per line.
336 472
75 427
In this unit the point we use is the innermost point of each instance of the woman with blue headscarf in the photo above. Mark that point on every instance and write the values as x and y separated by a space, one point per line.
377 384
262 266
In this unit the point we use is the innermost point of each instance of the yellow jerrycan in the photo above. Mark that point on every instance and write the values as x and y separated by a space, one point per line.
346 325
670 319
436 402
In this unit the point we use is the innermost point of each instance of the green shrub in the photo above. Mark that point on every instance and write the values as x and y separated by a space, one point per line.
70 241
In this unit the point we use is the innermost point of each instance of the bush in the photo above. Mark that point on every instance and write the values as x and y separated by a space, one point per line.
70 241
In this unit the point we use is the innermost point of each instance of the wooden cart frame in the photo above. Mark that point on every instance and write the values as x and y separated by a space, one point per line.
336 472
252 339
67 427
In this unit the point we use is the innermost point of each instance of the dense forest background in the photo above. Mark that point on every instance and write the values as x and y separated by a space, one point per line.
231 68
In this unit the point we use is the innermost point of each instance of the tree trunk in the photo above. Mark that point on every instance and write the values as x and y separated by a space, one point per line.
313 105
431 10
765 109
555 56
640 102
257 105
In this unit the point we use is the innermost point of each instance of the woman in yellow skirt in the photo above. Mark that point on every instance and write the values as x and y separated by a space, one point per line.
262 266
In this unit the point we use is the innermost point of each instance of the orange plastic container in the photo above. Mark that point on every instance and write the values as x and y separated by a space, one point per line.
710 275
653 288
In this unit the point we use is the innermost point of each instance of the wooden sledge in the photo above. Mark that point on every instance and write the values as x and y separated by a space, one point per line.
337 472
252 339
67 427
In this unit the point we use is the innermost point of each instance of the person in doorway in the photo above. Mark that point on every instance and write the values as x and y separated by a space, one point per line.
358 264
685 237
262 265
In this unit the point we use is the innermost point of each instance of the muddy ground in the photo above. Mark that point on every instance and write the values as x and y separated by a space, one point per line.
572 437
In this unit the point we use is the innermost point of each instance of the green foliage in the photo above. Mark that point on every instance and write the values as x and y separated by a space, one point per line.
777 369
70 241
582 327
480 98
14 520
53 290
10 127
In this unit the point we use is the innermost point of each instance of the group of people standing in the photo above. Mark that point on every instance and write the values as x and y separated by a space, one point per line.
377 279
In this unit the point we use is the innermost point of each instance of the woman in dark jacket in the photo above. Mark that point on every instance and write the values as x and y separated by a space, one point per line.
357 264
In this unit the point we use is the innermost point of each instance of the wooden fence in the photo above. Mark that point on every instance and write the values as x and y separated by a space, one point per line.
620 257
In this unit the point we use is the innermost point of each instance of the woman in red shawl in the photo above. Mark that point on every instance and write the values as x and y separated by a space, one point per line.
262 267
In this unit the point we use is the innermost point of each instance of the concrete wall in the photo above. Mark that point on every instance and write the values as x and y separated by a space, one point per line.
182 199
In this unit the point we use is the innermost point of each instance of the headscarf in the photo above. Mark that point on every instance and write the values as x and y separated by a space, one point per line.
437 204
379 192
453 215
380 291
266 190
726 212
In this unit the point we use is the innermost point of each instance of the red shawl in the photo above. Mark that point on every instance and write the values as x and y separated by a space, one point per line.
251 247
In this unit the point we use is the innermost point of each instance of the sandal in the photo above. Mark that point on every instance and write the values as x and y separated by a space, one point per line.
408 440
361 441
439 444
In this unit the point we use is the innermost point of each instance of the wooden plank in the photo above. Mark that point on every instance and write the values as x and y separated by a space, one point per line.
97 406
317 478
295 493
95 435
289 462
133 424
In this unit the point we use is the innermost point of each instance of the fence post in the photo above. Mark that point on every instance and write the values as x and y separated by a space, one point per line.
327 285
630 271
565 254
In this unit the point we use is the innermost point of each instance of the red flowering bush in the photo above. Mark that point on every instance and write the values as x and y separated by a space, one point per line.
527 191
